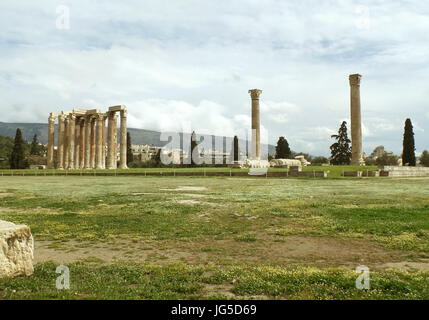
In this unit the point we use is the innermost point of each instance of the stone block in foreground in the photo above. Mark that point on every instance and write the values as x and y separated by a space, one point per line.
16 250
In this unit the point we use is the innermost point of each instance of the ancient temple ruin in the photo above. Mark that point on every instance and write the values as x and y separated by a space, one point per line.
82 139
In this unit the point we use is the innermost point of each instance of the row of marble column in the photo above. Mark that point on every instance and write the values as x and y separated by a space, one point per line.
82 139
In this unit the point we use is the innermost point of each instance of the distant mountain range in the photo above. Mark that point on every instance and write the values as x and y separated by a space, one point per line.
138 136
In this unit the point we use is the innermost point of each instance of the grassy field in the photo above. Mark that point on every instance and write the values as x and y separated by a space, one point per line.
219 237
333 171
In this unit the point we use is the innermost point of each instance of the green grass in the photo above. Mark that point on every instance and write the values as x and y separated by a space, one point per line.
235 224
89 280
333 171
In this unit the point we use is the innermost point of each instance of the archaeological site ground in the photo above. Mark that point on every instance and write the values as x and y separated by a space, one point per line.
155 237
201 159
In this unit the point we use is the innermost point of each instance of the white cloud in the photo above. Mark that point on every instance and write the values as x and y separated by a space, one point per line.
194 60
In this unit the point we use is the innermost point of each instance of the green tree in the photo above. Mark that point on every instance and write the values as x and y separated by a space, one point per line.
282 149
408 146
6 147
194 145
424 158
235 148
387 159
17 157
36 149
319 160
130 156
341 152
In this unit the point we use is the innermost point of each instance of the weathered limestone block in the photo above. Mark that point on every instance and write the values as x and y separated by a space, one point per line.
16 250
304 162
285 163
249 163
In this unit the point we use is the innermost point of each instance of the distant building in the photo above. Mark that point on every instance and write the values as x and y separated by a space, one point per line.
379 152
144 152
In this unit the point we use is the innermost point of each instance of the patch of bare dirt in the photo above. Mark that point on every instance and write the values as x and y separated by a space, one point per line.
194 195
142 193
320 252
188 201
423 265
186 188
5 194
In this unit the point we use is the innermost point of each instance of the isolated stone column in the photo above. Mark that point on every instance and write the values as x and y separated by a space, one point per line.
111 141
82 143
71 140
87 142
92 147
66 142
356 120
51 141
123 151
256 130
99 142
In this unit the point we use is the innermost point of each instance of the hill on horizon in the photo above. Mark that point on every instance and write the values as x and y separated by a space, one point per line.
138 136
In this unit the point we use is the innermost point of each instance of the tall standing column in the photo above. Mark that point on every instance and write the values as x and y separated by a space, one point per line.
61 126
82 143
51 141
77 144
92 147
110 140
123 155
356 120
72 132
115 141
66 142
103 143
88 142
256 130
98 142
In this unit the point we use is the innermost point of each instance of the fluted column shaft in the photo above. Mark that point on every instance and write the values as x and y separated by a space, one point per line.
98 142
88 142
356 119
77 144
51 142
103 143
111 141
256 123
92 144
123 151
72 132
66 142
82 143
60 154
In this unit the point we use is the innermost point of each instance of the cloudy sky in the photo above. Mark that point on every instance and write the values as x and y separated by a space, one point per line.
190 63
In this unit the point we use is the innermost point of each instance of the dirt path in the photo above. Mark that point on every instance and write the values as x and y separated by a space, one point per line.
294 250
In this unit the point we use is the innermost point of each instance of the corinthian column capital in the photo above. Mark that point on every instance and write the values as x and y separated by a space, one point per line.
255 93
354 79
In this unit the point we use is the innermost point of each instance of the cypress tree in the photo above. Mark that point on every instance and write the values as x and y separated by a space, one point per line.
35 149
341 153
236 148
130 156
424 158
282 149
17 157
193 146
408 146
